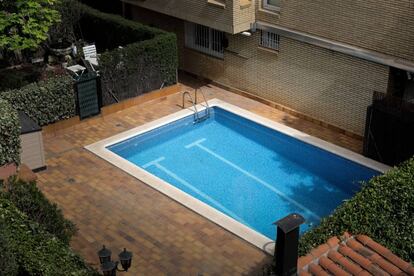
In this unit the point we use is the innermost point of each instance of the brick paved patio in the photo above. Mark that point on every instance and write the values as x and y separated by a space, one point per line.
112 208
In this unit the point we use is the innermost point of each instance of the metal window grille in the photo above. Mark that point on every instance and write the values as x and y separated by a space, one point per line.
269 40
204 39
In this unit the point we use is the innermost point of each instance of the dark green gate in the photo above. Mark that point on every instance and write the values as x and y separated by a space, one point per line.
88 96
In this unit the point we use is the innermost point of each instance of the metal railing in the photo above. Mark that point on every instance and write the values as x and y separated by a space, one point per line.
197 117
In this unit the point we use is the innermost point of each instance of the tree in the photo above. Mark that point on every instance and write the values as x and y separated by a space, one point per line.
24 24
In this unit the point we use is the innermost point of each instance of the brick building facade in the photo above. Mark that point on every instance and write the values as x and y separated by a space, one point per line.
320 58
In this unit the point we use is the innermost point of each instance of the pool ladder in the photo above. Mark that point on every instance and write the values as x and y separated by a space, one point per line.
198 117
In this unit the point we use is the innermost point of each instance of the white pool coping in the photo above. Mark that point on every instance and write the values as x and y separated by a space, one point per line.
228 223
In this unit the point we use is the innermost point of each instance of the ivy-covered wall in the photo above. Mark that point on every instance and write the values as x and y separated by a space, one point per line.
9 134
134 58
46 101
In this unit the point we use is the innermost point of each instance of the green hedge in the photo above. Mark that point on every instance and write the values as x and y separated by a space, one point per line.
45 101
31 201
117 30
383 210
148 57
9 134
109 6
8 263
36 251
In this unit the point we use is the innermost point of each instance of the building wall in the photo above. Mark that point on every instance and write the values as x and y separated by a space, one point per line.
382 26
329 86
379 25
236 16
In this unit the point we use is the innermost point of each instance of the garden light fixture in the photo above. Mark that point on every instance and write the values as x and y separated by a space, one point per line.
109 267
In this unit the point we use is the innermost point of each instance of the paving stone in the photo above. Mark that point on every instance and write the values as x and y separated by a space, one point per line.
113 208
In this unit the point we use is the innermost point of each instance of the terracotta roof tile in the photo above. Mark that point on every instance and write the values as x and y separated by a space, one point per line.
332 267
387 266
305 260
317 270
350 255
363 239
364 273
386 253
320 250
348 265
375 270
401 264
348 252
333 242
377 247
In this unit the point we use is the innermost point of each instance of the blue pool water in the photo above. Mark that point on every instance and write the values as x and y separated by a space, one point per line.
253 174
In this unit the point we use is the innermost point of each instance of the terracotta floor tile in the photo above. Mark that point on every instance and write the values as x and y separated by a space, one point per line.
112 208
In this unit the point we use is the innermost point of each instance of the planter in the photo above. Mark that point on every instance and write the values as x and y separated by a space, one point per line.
61 48
7 170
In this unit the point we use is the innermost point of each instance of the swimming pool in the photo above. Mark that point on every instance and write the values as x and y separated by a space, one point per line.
240 170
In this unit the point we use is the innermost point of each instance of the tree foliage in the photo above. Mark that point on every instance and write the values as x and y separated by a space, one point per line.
24 24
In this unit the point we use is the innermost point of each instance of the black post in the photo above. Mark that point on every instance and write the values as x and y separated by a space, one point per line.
286 252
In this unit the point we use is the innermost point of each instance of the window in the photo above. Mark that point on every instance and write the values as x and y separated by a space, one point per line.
269 40
204 39
273 5
217 3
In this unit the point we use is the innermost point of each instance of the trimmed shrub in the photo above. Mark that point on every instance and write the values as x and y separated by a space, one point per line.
383 210
118 30
37 252
148 57
8 262
9 134
31 201
138 68
109 6
46 101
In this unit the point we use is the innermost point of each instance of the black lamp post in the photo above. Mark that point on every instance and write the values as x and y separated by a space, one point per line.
287 240
104 255
110 268
125 257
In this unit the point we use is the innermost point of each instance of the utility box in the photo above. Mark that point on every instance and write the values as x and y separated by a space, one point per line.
32 151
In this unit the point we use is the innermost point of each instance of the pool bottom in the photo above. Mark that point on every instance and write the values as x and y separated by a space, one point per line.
225 221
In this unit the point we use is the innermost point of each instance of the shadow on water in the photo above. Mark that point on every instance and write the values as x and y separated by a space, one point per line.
313 193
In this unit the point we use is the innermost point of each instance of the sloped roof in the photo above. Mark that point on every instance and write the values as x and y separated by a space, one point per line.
352 255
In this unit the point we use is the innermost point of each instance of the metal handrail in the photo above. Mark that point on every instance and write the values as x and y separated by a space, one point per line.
207 106
196 118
